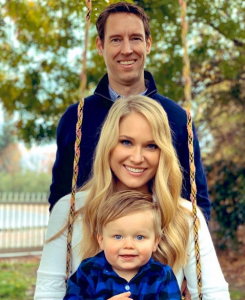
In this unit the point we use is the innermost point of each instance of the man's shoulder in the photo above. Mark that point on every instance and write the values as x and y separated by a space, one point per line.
70 111
73 107
91 103
172 108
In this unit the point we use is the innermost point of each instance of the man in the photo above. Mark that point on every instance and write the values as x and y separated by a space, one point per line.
124 41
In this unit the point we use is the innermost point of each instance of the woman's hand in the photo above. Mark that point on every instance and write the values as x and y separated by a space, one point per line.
123 296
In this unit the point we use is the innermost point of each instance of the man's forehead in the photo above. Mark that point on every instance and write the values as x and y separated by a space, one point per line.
114 17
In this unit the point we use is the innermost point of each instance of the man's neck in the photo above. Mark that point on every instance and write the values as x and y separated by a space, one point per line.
126 91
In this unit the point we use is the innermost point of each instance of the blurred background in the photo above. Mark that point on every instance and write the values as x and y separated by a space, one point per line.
41 46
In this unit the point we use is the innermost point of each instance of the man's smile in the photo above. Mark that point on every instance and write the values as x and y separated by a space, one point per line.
127 62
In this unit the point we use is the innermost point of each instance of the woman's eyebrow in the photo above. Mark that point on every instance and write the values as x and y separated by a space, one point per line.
126 137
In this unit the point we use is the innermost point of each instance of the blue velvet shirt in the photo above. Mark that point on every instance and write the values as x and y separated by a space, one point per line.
95 279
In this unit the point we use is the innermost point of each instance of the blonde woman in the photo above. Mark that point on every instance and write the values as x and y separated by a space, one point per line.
134 152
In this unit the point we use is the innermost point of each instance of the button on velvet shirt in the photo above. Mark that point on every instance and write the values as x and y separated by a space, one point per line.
95 279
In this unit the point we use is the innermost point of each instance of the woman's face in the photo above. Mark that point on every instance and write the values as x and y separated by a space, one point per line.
134 160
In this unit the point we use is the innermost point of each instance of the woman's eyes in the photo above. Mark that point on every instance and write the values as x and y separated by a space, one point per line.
129 143
152 146
125 142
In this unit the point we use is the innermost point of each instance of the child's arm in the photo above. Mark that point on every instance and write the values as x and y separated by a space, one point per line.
123 296
79 286
169 289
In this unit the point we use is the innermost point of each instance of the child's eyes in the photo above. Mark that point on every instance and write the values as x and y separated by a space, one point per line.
139 237
117 237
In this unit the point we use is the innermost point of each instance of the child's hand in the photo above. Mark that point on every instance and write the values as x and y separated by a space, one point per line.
123 296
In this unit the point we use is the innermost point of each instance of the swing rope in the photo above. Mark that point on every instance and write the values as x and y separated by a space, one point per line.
187 92
82 87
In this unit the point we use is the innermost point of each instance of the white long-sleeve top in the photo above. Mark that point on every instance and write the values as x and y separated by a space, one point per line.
51 274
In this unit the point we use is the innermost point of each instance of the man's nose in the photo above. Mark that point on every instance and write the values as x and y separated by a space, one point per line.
126 47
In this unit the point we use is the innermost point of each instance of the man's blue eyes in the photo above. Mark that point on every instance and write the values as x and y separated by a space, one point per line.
116 40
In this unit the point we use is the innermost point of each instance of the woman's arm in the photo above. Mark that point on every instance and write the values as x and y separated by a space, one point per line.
214 286
51 273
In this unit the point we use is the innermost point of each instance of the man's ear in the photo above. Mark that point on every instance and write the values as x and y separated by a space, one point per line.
99 46
157 241
100 241
148 45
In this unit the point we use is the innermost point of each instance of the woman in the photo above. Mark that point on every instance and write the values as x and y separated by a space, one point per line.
135 151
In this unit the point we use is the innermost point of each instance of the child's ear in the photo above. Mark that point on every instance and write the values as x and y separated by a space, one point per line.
100 241
157 241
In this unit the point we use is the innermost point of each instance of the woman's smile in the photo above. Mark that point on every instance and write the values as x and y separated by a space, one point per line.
135 170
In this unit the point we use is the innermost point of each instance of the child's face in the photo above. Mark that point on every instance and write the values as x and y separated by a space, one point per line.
128 243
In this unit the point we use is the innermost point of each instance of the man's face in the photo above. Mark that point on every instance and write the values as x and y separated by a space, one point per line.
124 50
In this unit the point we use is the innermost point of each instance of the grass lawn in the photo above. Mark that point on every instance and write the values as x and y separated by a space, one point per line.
237 295
17 281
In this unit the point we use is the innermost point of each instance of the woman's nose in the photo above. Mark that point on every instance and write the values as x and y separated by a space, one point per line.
137 156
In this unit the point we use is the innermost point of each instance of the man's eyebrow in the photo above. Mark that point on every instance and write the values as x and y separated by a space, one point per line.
137 34
114 36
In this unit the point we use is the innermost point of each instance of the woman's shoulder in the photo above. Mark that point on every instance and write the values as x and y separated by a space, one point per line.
63 205
60 213
186 203
188 206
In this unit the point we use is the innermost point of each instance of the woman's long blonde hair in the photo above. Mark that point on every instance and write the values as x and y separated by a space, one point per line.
165 186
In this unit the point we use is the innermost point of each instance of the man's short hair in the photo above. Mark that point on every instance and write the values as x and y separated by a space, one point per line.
121 7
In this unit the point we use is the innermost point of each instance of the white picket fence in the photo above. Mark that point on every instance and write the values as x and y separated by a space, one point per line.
23 222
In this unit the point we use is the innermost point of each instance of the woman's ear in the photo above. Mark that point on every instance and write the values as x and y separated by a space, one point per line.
100 241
